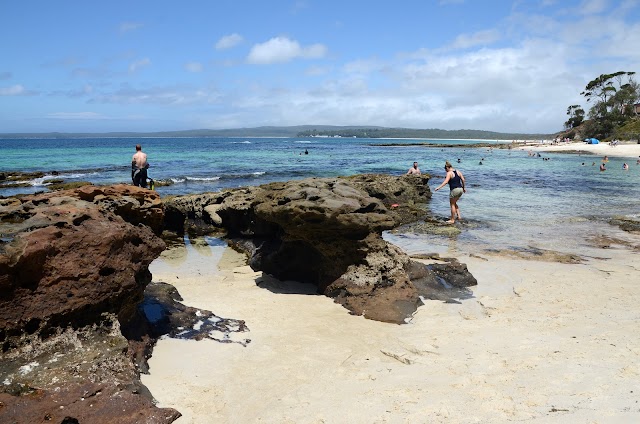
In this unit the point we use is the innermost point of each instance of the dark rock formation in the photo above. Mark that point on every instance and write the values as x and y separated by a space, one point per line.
73 266
325 231
626 224
161 313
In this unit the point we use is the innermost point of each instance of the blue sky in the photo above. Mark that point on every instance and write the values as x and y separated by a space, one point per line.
160 65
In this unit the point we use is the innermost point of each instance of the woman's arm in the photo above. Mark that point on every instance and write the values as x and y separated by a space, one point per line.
446 180
464 188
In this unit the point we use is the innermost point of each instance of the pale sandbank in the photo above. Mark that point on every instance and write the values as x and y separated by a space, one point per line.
629 150
539 342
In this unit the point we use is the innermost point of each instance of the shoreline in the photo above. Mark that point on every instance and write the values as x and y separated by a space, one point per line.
530 345
601 149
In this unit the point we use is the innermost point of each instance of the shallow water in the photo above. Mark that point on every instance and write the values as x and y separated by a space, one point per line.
513 201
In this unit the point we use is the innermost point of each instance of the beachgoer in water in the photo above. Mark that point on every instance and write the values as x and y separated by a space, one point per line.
139 167
625 166
414 170
602 168
456 182
306 152
605 159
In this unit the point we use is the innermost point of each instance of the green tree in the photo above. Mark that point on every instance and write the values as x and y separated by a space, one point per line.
576 116
612 97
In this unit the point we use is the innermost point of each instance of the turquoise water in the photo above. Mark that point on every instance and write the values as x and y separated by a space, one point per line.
513 200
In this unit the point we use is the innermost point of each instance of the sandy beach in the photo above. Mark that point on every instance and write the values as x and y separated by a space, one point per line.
631 150
538 342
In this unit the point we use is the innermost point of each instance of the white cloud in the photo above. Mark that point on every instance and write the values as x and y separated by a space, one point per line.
315 71
194 67
481 38
76 116
176 96
14 90
363 66
129 26
592 7
139 64
283 49
228 41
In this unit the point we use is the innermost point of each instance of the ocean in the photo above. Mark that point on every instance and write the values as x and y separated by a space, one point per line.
514 201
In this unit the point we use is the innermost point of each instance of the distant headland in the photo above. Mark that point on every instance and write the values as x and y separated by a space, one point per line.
299 131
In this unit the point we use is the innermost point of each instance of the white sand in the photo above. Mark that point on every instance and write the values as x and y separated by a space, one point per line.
602 149
540 342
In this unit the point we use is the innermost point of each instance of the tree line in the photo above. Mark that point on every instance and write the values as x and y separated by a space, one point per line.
382 132
613 99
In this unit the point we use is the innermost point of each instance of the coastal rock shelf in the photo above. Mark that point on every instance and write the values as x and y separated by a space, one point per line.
73 269
79 317
328 232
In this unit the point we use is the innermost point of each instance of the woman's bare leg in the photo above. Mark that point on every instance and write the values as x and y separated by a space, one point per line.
452 203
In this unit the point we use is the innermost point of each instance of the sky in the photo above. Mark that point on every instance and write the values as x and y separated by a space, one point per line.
505 66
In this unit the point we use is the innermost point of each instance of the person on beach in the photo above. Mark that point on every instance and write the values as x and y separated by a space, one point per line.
414 170
456 182
139 166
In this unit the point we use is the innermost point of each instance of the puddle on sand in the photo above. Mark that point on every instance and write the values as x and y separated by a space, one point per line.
194 257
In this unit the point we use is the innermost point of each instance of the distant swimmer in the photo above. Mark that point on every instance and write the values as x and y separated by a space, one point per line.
306 152
602 167
414 170
625 166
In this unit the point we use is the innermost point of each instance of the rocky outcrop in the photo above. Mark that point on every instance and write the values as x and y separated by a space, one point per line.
73 266
325 231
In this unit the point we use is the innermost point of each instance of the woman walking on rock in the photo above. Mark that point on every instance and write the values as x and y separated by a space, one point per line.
455 179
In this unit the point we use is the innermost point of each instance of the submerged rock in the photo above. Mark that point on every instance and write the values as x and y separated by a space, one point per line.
626 224
536 254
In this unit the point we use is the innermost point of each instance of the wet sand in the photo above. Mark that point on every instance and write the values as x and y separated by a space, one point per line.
539 342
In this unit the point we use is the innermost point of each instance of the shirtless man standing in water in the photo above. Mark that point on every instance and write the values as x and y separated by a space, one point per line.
139 167
414 169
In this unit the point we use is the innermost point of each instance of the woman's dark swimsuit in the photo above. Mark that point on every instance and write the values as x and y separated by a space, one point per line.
455 182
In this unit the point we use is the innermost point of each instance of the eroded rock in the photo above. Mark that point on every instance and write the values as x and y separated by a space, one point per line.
324 231
73 266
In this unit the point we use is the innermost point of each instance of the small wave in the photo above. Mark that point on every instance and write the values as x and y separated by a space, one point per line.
42 181
77 175
202 178
241 142
259 173
304 142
